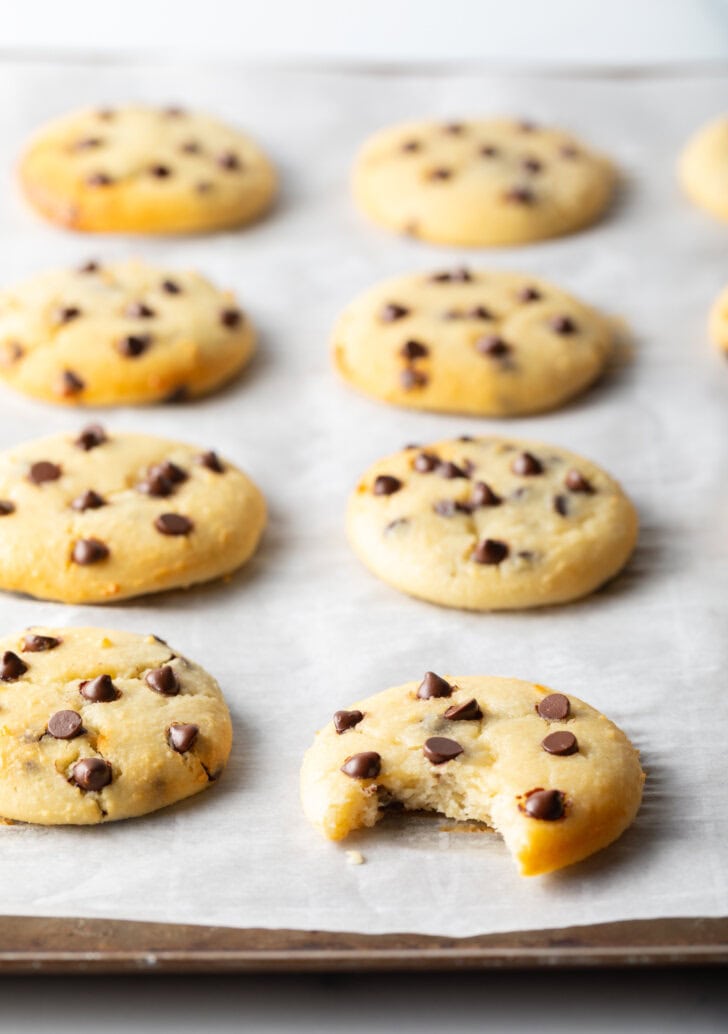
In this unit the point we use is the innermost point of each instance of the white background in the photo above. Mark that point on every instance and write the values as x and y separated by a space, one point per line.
519 33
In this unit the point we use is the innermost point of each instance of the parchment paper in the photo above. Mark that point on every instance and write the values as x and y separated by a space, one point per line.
305 629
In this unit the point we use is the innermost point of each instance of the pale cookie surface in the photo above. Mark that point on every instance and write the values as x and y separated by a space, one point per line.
552 775
466 341
145 170
491 523
718 322
481 182
99 725
120 333
97 517
703 168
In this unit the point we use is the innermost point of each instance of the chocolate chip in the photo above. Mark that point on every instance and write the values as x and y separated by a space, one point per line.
70 383
452 276
98 179
89 551
569 151
483 495
490 551
89 500
411 378
40 643
493 346
6 507
561 505
90 437
13 351
155 484
392 311
425 462
345 720
88 143
163 680
228 160
190 147
91 773
179 394
466 712
100 690
479 312
410 146
12 667
449 507
555 707
454 128
174 111
366 765
65 725
563 325
89 267
106 114
397 523
43 471
440 749
560 743
576 482
532 165
67 314
526 126
545 804
139 311
466 438
170 471
173 524
385 484
134 345
520 196
529 294
171 287
181 736
212 461
160 172
450 470
433 685
231 318
526 465
414 350
439 174
489 151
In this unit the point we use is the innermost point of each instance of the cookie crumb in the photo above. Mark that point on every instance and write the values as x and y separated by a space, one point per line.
106 642
355 858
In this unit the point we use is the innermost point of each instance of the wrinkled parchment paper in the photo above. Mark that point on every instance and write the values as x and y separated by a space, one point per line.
305 629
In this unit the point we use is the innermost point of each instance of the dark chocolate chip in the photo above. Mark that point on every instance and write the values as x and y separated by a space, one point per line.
561 505
452 276
560 743
366 765
414 350
212 461
410 146
89 500
134 345
228 160
39 643
160 172
65 725
479 312
171 287
89 267
520 196
440 749
439 174
493 346
170 471
181 736
90 437
42 471
88 143
106 114
563 325
450 470
6 507
425 462
433 685
67 314
139 311
490 551
173 524
163 680
489 151
545 804
466 712
173 111
466 438
155 484
179 394
454 128
100 690
385 484
345 720
483 495
529 294
532 165
392 311
554 707
190 147
449 507
526 465
576 482
231 318
89 551
91 773
98 179
11 667
411 378
569 151
70 383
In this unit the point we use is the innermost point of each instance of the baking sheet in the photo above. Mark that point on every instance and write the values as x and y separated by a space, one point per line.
304 629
